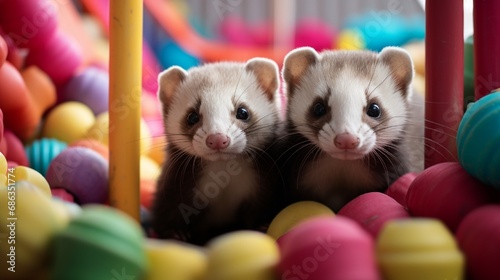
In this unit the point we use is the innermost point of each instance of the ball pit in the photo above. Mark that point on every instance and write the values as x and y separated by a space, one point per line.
68 122
54 60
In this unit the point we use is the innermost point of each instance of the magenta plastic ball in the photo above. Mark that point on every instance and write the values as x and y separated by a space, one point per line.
315 34
327 248
447 192
90 87
82 172
478 237
59 57
372 210
29 23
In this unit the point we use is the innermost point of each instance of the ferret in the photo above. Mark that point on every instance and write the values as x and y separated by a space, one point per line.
353 124
220 119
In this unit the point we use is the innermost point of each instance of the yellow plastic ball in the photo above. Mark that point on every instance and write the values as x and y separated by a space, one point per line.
3 171
149 169
68 122
418 248
157 150
100 132
175 260
243 255
350 40
295 214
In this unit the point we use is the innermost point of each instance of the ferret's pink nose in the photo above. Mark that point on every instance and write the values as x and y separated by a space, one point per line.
346 141
218 141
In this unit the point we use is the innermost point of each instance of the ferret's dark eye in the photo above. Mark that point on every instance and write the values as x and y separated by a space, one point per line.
374 111
242 114
193 118
319 109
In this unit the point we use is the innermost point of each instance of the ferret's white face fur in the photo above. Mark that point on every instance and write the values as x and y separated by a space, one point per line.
221 110
348 103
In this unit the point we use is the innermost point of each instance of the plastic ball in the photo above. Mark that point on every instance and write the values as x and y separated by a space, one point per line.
328 248
399 188
100 132
172 54
100 243
14 56
94 145
447 192
175 260
3 171
416 249
478 236
23 173
41 152
294 214
62 194
15 149
147 191
244 255
68 122
37 222
478 137
350 39
157 151
4 50
42 90
315 34
90 87
29 23
59 57
373 210
149 169
82 172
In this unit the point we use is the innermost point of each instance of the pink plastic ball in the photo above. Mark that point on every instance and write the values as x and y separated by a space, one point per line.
372 210
478 237
3 51
90 87
15 149
82 172
29 23
447 192
59 57
328 248
315 34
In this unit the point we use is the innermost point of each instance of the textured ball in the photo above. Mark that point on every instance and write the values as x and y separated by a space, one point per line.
478 236
295 214
68 122
82 172
447 192
416 249
328 248
41 153
100 243
372 210
478 137
90 87
245 255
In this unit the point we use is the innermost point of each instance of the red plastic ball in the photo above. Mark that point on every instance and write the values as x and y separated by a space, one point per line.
372 210
399 188
478 237
447 192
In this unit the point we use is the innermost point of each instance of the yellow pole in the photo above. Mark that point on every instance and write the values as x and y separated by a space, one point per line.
125 88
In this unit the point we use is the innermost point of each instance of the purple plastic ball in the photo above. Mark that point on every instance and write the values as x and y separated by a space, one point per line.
82 172
90 87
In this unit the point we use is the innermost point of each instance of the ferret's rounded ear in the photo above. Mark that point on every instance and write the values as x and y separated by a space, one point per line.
267 74
401 65
168 81
296 64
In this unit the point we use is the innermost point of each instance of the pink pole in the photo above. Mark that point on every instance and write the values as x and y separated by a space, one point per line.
444 78
486 47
